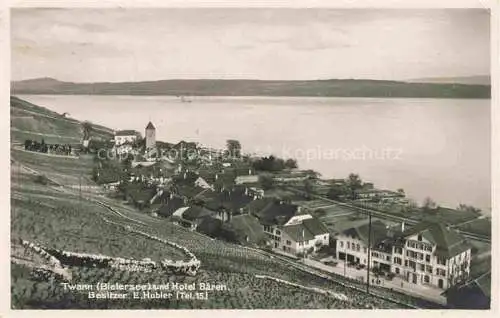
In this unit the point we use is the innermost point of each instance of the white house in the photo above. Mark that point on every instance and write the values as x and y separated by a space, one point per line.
123 136
301 233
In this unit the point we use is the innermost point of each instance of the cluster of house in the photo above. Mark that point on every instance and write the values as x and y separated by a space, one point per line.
56 149
428 253
194 201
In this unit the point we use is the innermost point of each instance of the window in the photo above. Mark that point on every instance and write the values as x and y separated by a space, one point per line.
422 267
420 256
288 242
357 247
428 258
406 262
278 232
420 237
398 250
441 260
426 279
398 260
429 269
388 258
324 237
440 272
341 244
397 270
348 245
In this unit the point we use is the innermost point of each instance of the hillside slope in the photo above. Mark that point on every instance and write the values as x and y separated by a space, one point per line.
29 121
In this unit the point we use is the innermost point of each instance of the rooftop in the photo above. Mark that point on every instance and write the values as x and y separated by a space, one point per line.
448 242
127 132
150 126
277 213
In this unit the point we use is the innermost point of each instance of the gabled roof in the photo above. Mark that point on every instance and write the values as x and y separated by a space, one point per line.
232 200
128 132
315 226
448 242
249 226
150 126
258 205
378 233
196 212
171 206
276 213
298 232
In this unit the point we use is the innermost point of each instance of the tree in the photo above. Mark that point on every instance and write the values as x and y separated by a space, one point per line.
291 164
335 192
401 191
468 208
308 188
234 148
87 130
428 205
266 181
354 183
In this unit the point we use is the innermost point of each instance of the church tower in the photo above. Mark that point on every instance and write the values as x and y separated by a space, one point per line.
150 136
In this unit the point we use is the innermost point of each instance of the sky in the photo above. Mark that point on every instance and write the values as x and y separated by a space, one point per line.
115 45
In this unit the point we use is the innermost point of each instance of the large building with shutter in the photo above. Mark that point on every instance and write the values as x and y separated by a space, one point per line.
428 253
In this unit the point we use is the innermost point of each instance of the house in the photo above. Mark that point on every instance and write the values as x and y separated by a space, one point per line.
429 253
246 179
300 234
191 217
123 136
352 245
200 182
290 231
248 228
368 193
231 200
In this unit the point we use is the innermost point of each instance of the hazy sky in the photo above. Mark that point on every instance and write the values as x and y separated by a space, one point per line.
148 44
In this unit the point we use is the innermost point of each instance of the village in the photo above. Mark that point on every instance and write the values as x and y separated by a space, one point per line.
270 204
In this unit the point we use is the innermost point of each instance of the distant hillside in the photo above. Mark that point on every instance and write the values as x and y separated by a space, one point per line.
325 88
467 80
29 121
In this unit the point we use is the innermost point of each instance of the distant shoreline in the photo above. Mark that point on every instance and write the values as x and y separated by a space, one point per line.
257 88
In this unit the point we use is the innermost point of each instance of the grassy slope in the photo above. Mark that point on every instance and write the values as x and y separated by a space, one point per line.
29 121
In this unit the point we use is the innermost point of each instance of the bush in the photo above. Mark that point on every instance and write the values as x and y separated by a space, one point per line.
41 179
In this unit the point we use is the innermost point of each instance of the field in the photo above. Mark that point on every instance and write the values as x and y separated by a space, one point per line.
37 122
479 226
67 171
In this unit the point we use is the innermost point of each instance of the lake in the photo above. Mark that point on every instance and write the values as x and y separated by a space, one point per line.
429 147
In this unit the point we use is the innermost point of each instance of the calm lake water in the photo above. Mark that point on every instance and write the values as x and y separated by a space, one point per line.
429 147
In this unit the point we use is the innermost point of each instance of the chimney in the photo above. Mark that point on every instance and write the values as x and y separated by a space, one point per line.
216 176
249 171
402 226
246 191
185 175
171 195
